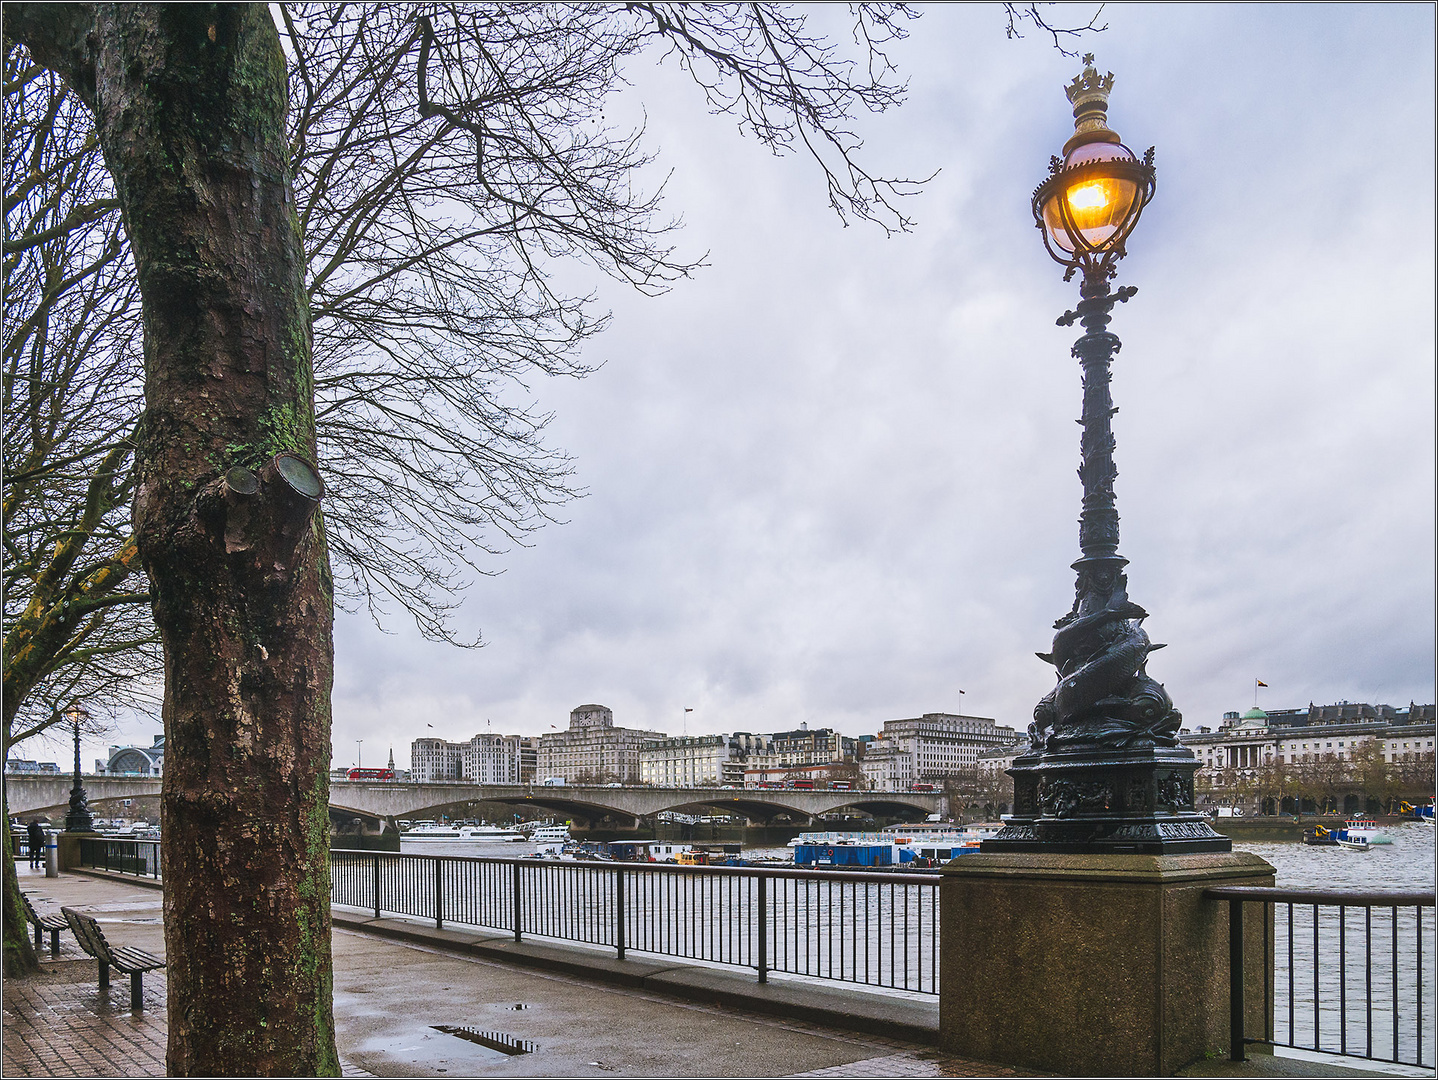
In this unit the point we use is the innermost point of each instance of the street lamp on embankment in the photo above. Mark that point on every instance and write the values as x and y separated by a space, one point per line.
1095 885
78 820
1105 771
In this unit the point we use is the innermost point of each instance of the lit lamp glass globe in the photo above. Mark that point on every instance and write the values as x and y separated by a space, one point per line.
1094 195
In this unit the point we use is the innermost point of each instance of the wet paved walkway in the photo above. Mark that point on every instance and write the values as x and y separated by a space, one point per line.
393 998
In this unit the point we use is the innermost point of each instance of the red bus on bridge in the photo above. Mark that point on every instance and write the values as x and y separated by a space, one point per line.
370 774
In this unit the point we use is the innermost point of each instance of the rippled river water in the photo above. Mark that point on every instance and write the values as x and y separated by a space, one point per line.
1407 863
1357 976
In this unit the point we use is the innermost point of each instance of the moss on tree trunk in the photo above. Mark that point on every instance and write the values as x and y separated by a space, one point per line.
20 958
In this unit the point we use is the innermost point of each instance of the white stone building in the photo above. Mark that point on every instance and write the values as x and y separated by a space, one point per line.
593 750
492 759
699 760
484 759
436 761
930 748
1321 737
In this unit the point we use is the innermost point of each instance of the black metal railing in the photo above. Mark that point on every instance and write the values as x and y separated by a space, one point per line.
139 857
873 929
1351 973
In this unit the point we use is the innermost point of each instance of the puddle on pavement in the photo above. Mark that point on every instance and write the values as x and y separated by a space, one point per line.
495 1040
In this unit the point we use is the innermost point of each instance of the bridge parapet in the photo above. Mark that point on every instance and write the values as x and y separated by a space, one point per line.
28 793
388 799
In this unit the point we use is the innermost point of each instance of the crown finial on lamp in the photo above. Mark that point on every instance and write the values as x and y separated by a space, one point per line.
1088 93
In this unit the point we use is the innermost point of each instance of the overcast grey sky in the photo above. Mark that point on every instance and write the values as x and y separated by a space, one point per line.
832 478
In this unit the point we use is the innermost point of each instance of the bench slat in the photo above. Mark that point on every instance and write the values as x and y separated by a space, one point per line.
134 959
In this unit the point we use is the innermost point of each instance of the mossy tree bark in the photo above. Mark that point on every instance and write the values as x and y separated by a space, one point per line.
189 101
20 958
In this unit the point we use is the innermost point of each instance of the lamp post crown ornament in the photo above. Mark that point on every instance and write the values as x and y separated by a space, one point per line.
1088 94
1105 771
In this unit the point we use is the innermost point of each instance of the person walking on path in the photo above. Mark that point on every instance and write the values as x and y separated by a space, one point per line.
35 836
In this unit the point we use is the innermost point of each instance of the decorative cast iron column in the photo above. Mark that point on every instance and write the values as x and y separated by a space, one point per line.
1105 771
78 819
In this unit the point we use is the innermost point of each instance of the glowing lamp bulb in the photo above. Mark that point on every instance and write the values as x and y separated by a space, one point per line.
1088 197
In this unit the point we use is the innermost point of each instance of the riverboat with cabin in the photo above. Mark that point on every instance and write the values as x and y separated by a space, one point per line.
1366 829
477 834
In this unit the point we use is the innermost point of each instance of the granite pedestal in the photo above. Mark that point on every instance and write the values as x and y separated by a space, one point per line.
1096 965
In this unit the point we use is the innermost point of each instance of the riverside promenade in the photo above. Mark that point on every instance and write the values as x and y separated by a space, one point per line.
573 1013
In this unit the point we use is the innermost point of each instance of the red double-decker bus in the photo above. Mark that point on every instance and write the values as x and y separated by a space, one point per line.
370 774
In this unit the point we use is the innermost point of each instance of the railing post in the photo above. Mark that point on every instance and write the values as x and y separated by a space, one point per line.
439 892
1235 980
376 886
619 905
518 906
763 928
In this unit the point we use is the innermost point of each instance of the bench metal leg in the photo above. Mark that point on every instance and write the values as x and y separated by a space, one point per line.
137 996
54 943
104 975
39 937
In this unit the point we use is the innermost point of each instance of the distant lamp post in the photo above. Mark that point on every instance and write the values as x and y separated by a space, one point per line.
1105 771
78 819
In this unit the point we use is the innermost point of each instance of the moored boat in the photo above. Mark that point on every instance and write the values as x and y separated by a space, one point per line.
478 834
550 837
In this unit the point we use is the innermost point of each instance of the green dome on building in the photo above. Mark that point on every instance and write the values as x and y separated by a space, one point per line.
1255 713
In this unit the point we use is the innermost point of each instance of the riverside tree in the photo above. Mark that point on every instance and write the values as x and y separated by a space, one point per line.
189 108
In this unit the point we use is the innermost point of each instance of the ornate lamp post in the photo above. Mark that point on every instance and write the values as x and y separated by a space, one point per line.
78 819
1105 772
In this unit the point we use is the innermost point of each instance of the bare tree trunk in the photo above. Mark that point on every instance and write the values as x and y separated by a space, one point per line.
190 108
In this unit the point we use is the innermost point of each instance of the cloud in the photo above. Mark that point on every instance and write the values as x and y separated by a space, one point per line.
831 479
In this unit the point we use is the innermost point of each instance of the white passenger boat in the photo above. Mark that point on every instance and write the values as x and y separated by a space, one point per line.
551 837
479 834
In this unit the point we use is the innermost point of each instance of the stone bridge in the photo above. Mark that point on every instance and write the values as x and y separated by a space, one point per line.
49 793
28 793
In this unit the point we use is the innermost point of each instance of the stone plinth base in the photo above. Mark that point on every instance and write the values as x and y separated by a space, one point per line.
1096 965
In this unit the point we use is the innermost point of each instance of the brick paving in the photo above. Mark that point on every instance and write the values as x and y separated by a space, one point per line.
60 1023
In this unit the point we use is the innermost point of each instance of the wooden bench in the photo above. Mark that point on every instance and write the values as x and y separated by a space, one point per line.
132 962
42 923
